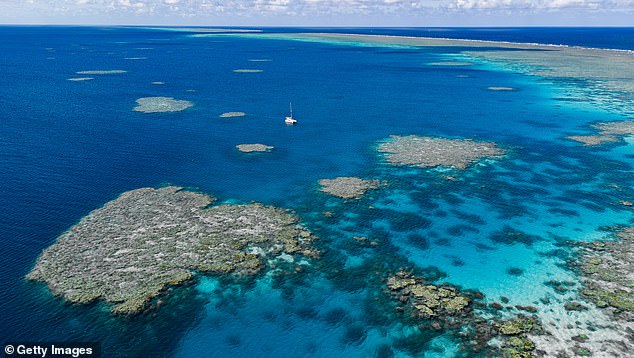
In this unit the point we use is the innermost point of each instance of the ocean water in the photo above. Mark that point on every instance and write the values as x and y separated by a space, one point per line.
68 147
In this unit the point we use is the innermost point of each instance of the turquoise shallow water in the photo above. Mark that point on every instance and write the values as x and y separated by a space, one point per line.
69 147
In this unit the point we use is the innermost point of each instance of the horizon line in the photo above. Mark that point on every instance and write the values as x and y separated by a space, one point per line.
317 26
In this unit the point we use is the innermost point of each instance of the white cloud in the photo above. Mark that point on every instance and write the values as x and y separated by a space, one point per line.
558 4
538 5
304 11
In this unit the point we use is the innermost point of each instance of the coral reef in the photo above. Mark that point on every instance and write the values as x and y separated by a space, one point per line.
592 140
232 114
437 301
347 187
447 307
100 72
450 63
129 250
161 104
251 148
608 270
608 132
434 151
515 336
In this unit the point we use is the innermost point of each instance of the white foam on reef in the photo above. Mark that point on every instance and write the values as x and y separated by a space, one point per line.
158 83
135 58
77 79
260 60
246 70
101 72
286 257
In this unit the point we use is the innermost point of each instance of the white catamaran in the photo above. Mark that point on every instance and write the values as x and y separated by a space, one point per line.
289 119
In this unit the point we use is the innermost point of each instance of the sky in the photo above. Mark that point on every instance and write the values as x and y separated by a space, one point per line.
424 13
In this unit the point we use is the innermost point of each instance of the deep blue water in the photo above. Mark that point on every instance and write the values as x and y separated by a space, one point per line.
68 147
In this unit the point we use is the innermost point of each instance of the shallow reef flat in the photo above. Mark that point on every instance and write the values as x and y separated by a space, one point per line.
605 313
133 247
348 187
450 63
607 75
435 151
612 66
592 140
411 41
608 271
608 132
381 40
203 30
254 148
161 104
